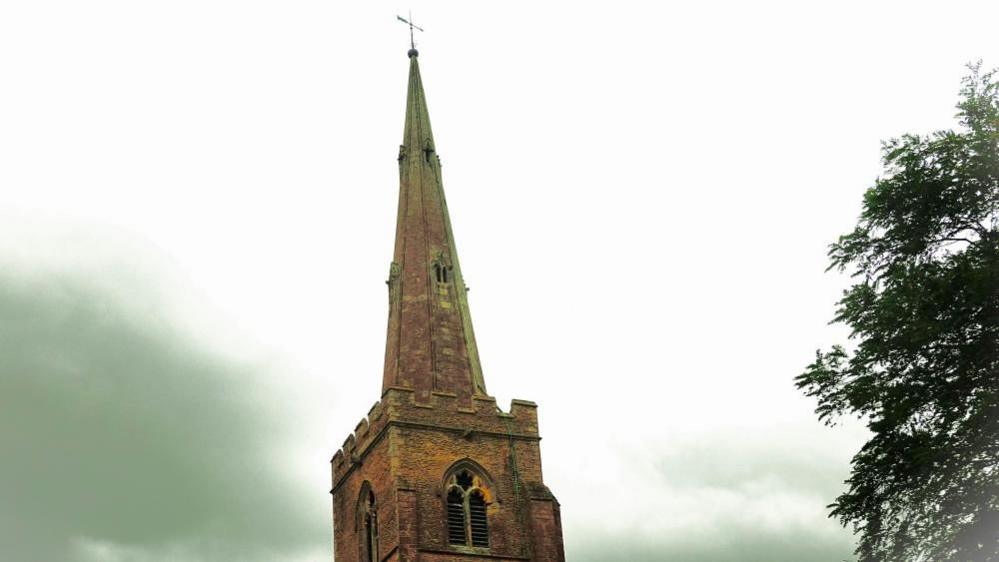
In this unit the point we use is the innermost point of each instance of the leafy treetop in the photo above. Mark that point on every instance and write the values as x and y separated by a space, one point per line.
924 315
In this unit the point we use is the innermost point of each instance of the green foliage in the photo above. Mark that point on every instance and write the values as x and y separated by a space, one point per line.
924 371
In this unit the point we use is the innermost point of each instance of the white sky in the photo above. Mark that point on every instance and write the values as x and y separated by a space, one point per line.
642 195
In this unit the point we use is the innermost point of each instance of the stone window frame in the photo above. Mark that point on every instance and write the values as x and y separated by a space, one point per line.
366 524
482 484
442 270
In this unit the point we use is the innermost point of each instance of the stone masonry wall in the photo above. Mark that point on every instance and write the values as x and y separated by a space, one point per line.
404 449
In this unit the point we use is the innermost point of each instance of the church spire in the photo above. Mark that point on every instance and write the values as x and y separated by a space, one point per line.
430 345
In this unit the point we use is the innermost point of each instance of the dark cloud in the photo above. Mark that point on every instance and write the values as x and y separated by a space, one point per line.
116 428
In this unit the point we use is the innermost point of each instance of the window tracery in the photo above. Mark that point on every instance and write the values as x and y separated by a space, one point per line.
468 499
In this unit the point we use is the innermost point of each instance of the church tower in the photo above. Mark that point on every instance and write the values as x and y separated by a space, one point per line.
436 472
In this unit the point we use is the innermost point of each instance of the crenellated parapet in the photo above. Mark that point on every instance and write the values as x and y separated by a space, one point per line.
444 412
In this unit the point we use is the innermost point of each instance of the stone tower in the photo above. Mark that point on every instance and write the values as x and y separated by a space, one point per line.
436 471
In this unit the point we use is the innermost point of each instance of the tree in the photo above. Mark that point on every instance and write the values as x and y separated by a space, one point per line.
923 372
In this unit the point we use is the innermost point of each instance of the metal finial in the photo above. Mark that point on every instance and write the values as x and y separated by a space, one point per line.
412 40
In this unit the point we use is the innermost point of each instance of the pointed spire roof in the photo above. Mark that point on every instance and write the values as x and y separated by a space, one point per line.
430 346
417 130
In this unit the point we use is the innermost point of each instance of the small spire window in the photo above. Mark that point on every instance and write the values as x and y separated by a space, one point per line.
442 273
428 150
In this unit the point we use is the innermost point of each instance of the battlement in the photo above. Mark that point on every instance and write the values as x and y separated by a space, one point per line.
443 412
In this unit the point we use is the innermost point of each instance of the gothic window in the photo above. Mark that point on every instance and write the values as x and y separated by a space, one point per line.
467 519
371 529
368 525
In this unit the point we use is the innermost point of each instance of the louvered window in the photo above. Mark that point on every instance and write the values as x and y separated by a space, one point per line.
467 511
456 517
477 519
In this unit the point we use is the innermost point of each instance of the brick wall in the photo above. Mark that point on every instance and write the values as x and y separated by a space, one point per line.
405 448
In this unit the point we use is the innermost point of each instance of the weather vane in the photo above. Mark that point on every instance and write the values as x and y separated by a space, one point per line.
409 22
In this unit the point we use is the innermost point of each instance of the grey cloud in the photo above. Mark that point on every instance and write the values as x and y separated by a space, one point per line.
791 460
115 428
126 439
725 497
734 544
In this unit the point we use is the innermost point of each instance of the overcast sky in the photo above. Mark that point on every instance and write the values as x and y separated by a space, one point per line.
197 205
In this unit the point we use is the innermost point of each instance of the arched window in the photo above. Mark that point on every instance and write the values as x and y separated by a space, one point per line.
467 518
371 528
367 514
442 273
